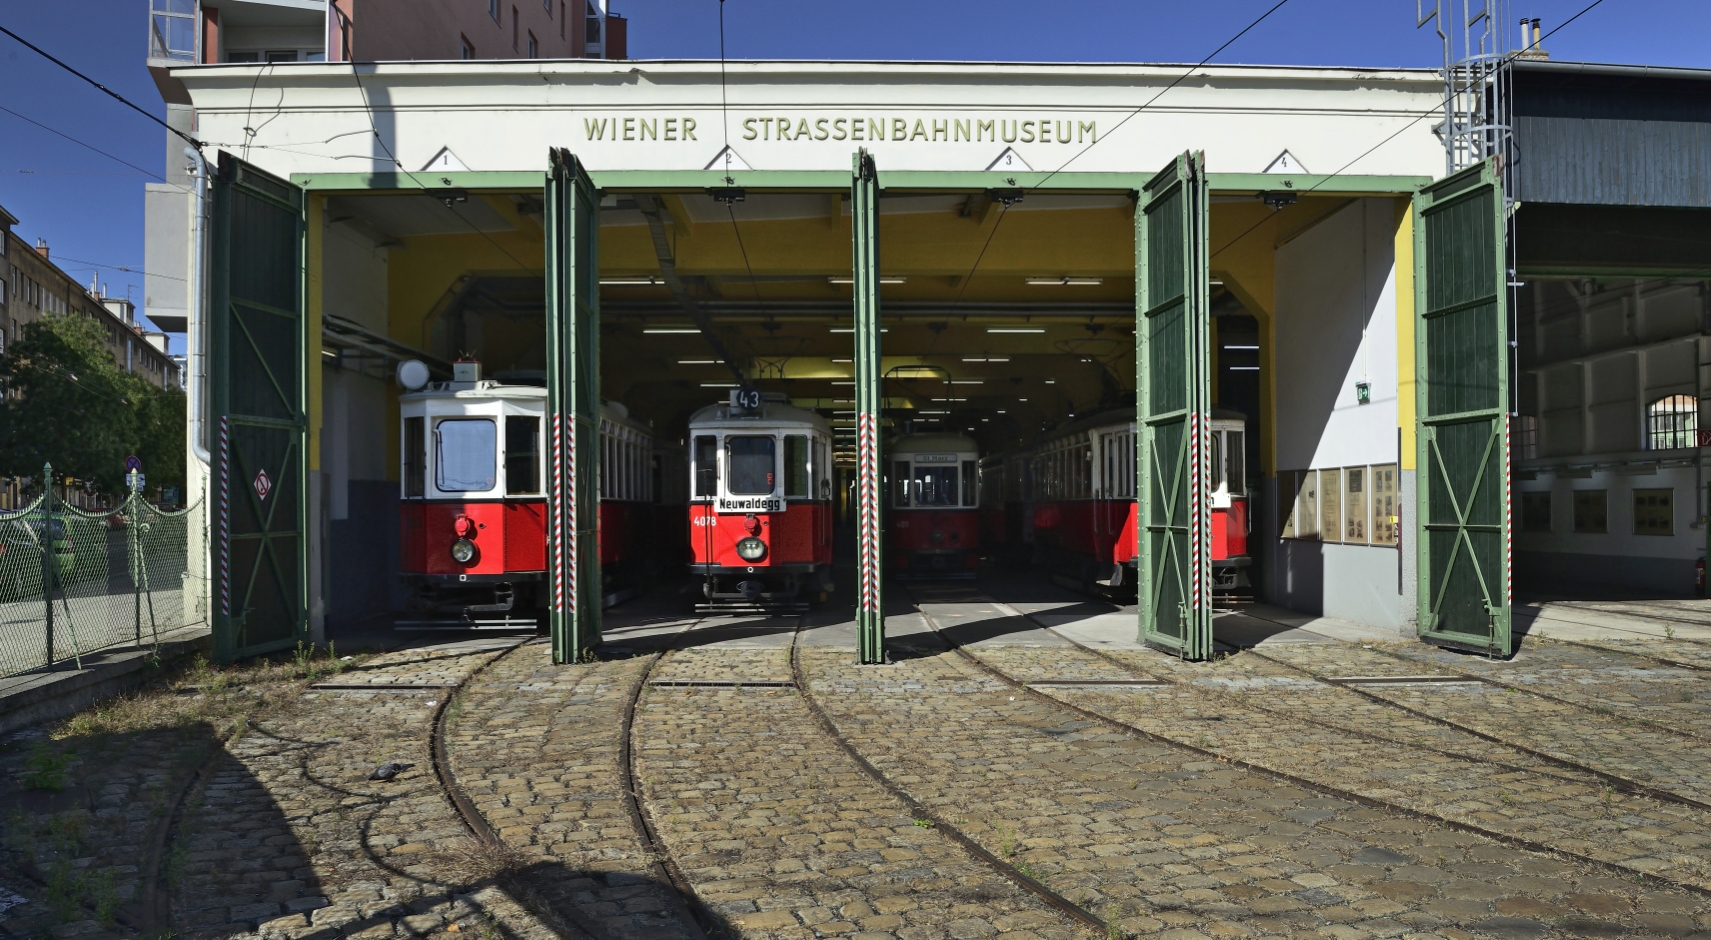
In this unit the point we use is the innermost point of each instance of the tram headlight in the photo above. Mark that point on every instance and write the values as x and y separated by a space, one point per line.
751 549
463 551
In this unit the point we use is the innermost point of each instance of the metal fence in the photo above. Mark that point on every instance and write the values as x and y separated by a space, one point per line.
74 582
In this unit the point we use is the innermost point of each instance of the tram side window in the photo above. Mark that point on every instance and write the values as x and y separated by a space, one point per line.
1217 462
465 452
415 467
1236 458
751 464
706 467
522 456
968 487
796 466
900 483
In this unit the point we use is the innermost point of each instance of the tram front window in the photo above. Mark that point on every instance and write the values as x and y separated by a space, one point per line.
1237 456
415 470
751 465
522 456
935 486
465 453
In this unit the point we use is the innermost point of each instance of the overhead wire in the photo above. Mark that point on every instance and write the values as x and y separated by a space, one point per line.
118 97
90 147
1096 141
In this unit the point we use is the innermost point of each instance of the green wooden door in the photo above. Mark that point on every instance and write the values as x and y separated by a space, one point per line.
573 407
1462 425
870 397
257 404
1173 400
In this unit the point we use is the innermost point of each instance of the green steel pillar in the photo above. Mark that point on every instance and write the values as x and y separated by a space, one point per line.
573 408
869 401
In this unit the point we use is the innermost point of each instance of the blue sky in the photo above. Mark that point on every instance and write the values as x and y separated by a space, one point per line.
90 208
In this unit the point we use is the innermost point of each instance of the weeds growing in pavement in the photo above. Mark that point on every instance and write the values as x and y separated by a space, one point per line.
46 769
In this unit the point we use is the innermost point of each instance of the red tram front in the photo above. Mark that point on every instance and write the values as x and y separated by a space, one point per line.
934 526
760 510
473 503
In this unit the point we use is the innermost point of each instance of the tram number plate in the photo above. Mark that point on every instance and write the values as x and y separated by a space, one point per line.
750 504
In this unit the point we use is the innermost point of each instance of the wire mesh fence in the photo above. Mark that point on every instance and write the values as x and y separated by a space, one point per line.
74 582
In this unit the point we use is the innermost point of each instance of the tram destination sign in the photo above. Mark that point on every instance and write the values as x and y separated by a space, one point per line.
935 458
750 504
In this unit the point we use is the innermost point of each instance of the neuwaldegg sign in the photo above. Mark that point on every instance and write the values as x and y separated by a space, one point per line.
790 127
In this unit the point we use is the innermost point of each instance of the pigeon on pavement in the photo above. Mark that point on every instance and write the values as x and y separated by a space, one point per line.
388 771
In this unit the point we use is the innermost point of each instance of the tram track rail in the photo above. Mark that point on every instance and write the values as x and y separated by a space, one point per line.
1318 786
659 859
945 827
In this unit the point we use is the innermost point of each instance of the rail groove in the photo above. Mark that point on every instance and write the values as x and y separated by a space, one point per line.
1033 886
1287 777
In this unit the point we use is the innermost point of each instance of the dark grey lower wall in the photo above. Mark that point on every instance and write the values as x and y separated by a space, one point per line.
1573 573
362 555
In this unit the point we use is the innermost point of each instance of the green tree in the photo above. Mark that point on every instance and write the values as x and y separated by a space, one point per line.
67 402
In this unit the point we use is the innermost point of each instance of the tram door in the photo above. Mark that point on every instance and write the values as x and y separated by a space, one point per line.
1173 404
1462 422
573 407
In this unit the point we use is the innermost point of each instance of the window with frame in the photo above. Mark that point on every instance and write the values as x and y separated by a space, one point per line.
1591 512
1527 437
415 467
467 49
534 46
900 483
751 465
1672 422
1536 512
522 455
796 484
466 452
172 30
493 9
1331 505
1654 512
705 458
1356 505
1386 510
515 26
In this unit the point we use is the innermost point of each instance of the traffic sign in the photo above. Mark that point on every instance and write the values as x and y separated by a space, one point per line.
132 464
262 484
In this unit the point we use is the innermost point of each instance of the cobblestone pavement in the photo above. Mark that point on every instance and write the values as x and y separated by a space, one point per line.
536 747
784 836
1185 828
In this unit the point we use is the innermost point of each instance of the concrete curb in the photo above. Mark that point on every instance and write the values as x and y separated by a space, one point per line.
38 697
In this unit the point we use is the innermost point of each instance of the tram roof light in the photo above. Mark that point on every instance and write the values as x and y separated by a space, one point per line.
1015 329
1064 281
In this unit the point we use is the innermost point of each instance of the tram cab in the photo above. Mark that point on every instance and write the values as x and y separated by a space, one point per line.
760 505
1228 483
934 524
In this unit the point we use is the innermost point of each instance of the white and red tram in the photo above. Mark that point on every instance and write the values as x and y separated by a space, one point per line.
1072 495
473 501
934 518
760 505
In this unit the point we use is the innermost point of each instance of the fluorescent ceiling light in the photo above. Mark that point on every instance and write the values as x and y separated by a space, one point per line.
1064 281
670 329
986 419
950 399
968 381
1243 368
1241 347
1017 329
718 385
1051 381
1021 399
995 359
629 281
851 329
883 280
843 383
933 412
697 362
843 360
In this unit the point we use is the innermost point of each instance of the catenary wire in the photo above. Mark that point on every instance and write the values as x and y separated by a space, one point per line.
90 147
368 111
128 269
1093 143
121 98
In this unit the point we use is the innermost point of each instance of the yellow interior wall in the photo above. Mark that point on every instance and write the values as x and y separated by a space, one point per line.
312 248
1405 384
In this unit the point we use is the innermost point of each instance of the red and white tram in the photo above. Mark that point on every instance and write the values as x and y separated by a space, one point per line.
473 508
760 505
1073 496
934 523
